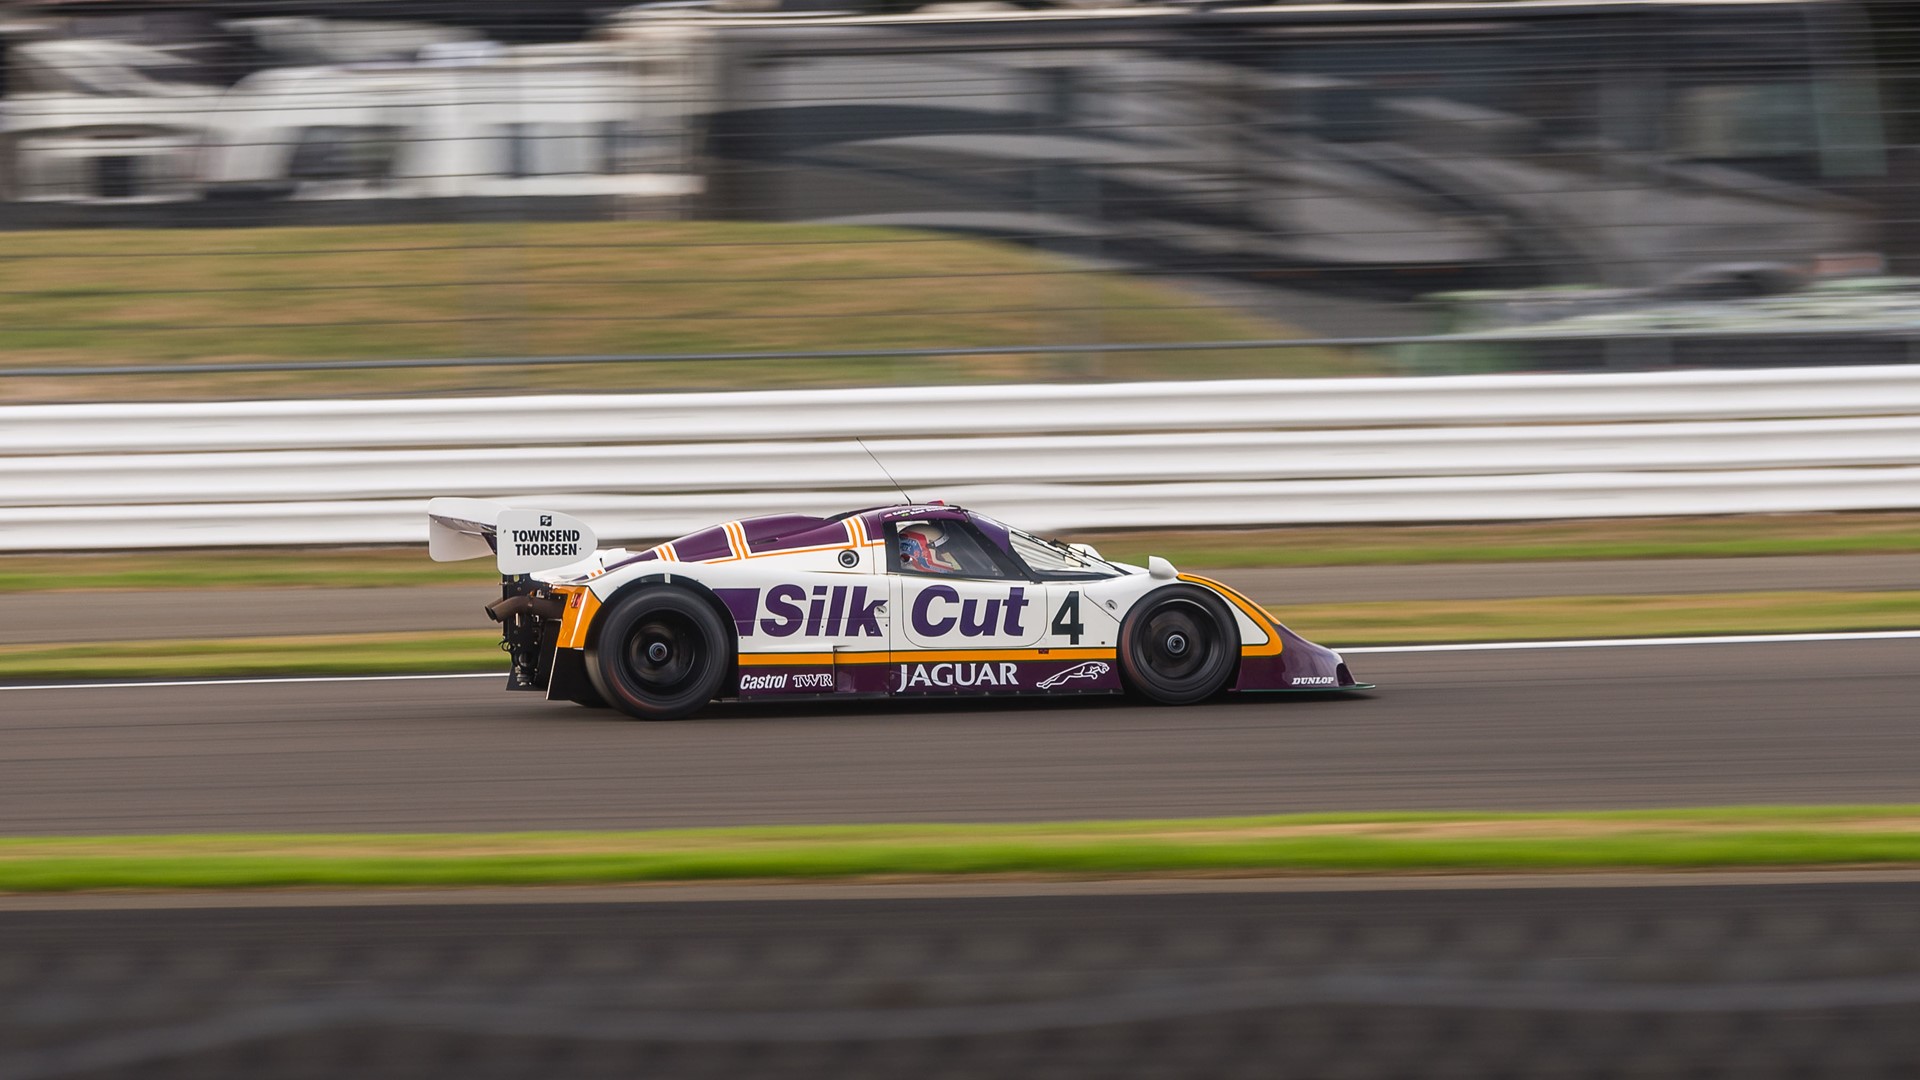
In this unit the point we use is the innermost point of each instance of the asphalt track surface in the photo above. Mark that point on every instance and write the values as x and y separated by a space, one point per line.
131 615
1697 724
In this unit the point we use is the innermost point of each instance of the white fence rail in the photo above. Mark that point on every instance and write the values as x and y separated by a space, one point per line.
1144 454
1226 405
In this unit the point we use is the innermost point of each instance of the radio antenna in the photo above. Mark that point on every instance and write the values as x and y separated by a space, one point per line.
883 469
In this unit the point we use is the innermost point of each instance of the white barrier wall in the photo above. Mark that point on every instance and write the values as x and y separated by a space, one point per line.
1244 452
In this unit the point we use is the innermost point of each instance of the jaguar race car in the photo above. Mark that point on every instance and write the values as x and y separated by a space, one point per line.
903 601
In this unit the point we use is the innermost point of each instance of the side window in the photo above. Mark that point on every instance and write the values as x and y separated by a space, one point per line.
942 549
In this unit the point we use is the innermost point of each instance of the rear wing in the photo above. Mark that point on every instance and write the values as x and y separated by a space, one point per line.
521 540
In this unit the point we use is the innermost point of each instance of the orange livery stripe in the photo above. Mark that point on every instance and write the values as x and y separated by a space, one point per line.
1252 611
581 605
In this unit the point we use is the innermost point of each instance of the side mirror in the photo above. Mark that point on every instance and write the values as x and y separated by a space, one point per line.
1160 569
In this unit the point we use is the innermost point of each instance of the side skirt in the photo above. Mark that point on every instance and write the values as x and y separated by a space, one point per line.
1309 689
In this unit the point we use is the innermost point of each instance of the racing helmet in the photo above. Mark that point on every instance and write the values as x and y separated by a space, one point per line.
919 549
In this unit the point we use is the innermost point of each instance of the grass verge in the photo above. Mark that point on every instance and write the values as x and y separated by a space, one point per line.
1740 837
1398 622
314 654
334 568
1619 538
1641 538
119 296
1377 623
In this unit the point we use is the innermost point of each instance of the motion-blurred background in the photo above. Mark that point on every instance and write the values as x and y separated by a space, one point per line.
571 177
1451 324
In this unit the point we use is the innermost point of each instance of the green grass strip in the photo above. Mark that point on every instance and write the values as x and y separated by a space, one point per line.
319 654
370 568
1632 538
1543 618
1716 838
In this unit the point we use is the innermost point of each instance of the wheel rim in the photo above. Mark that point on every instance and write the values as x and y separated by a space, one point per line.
1176 642
663 654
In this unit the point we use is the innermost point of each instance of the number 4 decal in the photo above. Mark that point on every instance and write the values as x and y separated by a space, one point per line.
1067 619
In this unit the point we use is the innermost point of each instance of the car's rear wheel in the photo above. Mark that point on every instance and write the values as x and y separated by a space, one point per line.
1179 645
661 653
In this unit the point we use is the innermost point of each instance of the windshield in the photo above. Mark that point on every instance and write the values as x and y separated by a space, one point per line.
1050 558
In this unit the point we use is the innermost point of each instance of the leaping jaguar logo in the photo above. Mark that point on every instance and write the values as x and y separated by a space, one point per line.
1092 669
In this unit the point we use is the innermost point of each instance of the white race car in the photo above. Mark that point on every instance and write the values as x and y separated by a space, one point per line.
902 601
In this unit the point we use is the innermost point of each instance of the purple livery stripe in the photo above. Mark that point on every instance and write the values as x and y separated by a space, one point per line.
931 674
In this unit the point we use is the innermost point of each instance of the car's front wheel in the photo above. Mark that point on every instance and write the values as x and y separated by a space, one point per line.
1179 645
661 653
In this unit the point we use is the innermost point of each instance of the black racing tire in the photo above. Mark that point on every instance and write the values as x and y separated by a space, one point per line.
661 653
1179 645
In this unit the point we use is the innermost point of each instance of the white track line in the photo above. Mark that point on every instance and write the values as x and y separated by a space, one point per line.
1616 643
254 682
1472 646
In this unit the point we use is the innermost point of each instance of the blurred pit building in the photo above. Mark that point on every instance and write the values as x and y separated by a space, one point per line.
1714 147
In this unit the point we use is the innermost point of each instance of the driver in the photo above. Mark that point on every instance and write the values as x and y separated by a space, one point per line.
920 549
